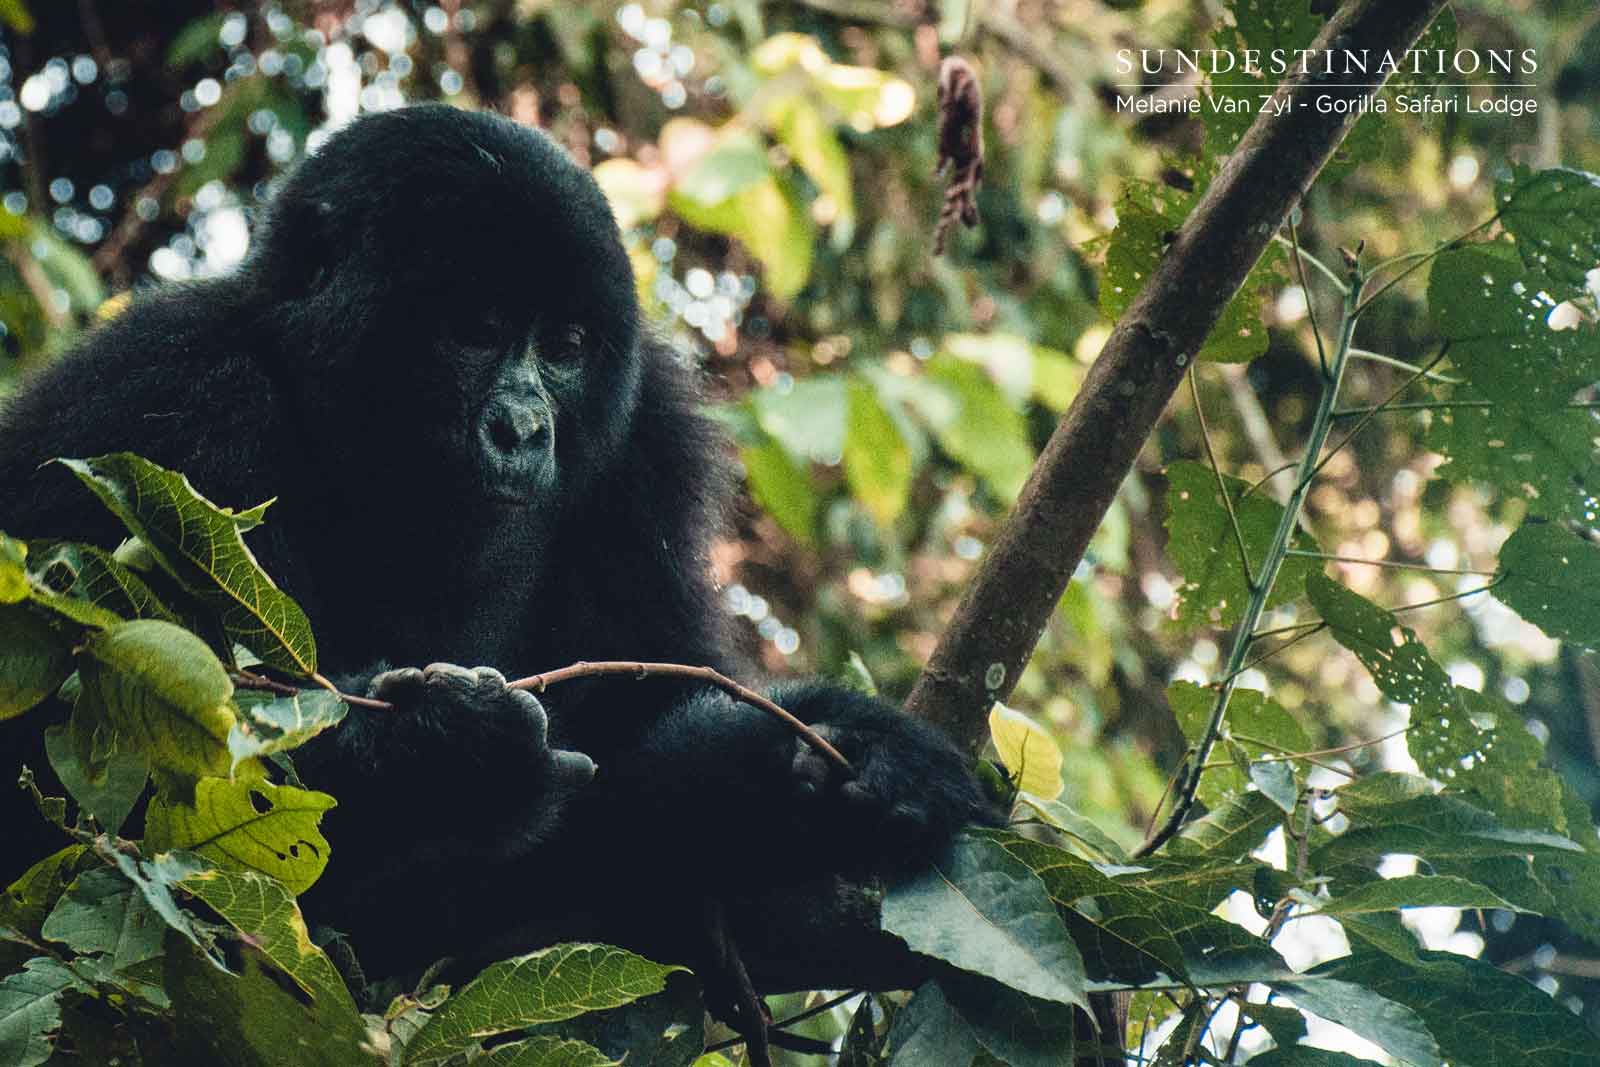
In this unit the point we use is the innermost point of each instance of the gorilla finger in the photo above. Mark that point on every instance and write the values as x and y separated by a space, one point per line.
529 705
395 686
489 678
457 681
809 769
571 768
859 794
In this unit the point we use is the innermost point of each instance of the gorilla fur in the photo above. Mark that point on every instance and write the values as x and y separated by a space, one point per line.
433 358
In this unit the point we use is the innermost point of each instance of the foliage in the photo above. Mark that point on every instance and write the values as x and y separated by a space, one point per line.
769 165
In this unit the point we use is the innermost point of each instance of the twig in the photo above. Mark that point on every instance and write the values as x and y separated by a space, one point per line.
753 1021
799 1017
539 682
261 683
1222 487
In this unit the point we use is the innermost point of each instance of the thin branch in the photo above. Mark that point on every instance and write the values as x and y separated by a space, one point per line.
539 682
1305 289
1227 499
1277 552
1444 405
1444 350
1390 361
1395 563
800 1017
261 683
1329 272
1424 259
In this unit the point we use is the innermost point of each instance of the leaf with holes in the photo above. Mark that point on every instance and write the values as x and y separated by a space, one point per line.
1200 540
246 825
1551 579
1554 215
271 723
1495 312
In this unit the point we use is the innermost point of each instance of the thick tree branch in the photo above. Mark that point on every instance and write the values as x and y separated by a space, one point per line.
982 652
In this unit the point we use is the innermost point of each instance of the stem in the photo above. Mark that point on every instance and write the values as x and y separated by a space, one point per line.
1311 304
1395 563
1403 386
1379 357
1332 275
1422 259
1277 552
1442 405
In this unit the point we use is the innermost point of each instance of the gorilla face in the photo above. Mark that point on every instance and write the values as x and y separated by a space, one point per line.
484 305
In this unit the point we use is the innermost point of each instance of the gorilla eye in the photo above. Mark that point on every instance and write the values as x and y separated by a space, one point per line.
568 344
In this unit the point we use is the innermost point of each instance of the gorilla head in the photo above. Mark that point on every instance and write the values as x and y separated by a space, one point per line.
498 312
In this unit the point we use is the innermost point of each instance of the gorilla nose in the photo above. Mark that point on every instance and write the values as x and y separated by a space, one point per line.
509 428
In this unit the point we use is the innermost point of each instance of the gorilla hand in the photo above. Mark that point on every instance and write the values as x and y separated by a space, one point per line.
509 726
908 788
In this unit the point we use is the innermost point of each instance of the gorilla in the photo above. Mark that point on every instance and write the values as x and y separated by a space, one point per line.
434 359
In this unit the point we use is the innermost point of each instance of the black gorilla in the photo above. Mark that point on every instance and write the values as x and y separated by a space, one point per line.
434 359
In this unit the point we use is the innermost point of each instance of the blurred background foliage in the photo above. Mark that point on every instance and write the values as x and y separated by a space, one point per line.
772 165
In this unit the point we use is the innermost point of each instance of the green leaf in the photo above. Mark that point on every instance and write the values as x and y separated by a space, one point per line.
1029 753
27 901
1554 216
1139 926
35 658
1544 457
636 193
735 163
960 1019
30 1011
1550 575
1074 824
102 912
545 986
1396 659
246 826
809 417
14 585
107 791
1231 830
1307 1056
1495 313
155 878
1390 1025
196 41
86 573
164 691
985 433
1201 542
547 1052
268 722
877 460
1413 891
764 214
15 13
782 488
257 1018
1258 725
1479 1014
265 912
814 146
201 545
983 911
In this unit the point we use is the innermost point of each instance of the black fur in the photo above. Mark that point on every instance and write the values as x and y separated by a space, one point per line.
440 501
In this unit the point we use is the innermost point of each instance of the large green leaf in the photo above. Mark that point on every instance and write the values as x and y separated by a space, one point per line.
30 1011
107 788
962 1019
1495 312
102 912
35 658
983 911
877 460
1413 891
1389 1024
783 489
165 691
27 901
985 432
201 545
542 987
264 911
1480 1015
1543 457
1201 541
246 824
547 1052
1554 216
1552 579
